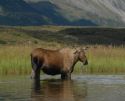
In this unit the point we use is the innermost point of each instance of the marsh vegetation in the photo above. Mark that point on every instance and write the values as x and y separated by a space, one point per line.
102 60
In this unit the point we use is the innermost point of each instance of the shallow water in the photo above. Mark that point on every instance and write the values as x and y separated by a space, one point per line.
80 88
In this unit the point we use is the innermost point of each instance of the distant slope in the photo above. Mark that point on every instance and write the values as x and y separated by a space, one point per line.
18 12
63 12
61 35
50 11
100 12
55 17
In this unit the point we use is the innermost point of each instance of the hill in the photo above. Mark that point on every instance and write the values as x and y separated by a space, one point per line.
54 35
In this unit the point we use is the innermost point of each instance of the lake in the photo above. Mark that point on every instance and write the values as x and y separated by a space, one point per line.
80 88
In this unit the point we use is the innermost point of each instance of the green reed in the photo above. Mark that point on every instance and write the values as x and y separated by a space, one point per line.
15 60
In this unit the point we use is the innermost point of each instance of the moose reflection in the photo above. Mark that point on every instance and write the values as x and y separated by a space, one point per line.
57 90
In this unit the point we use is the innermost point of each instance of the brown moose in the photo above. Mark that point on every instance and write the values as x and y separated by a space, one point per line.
54 62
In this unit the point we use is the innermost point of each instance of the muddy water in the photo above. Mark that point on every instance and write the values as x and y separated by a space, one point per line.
80 88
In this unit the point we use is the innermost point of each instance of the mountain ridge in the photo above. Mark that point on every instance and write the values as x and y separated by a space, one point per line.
63 12
100 12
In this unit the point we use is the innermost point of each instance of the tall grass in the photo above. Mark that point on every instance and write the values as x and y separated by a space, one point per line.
15 60
103 60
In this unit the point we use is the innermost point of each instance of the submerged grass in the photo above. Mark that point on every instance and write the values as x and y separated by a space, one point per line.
102 60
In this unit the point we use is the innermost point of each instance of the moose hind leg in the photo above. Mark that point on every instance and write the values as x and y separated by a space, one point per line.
35 73
35 70
32 74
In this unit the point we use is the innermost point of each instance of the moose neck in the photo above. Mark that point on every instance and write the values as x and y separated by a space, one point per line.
76 59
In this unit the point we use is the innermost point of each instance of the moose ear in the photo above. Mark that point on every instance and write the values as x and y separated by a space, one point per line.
86 48
77 50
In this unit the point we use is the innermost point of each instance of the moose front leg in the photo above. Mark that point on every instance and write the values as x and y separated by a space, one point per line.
66 76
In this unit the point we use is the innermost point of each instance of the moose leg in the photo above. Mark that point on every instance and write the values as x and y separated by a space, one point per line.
32 74
35 71
37 74
66 76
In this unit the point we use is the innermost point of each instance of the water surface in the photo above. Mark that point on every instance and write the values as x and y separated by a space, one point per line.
80 88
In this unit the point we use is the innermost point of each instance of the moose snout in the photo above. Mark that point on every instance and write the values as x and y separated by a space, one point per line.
86 62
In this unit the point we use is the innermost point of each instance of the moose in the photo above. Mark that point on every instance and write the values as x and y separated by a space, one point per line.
53 62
